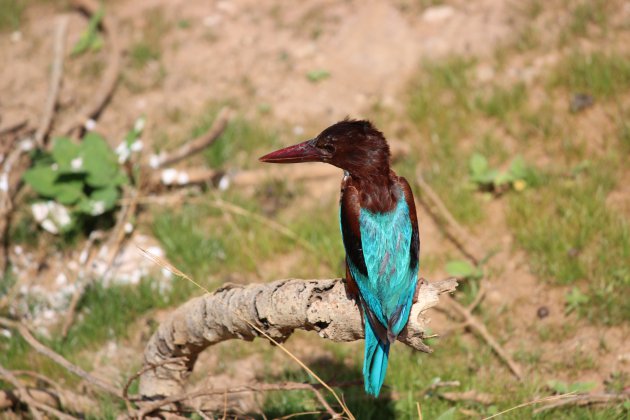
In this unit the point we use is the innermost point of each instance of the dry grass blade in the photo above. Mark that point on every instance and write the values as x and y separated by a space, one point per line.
165 265
306 368
419 410
537 401
265 221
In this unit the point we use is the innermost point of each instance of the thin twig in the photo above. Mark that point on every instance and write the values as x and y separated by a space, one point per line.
99 99
480 329
585 399
57 358
55 81
195 146
285 386
453 230
33 405
13 127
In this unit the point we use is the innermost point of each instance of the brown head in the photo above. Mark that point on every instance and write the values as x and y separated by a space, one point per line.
353 145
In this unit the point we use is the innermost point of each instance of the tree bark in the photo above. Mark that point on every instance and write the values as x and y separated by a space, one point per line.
278 308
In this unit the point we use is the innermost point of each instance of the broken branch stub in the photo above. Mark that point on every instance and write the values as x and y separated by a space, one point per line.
277 308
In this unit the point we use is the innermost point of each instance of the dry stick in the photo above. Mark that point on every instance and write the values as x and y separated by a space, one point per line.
195 146
16 126
55 81
307 369
469 318
57 358
32 404
453 230
285 386
536 401
125 392
586 399
480 328
110 77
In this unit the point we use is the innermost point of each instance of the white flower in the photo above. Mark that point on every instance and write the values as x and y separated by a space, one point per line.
77 163
123 152
97 208
139 125
40 211
61 279
128 228
155 161
59 214
50 226
224 183
27 145
182 178
169 176
90 124
4 182
137 145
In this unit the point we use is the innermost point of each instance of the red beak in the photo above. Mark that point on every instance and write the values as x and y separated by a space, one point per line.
301 152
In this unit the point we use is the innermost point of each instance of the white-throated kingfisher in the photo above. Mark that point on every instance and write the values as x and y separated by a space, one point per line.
379 227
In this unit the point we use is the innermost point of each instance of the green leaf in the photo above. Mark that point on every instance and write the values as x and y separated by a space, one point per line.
582 387
64 152
478 164
448 414
68 192
90 38
486 178
41 179
100 161
461 269
503 178
518 168
108 195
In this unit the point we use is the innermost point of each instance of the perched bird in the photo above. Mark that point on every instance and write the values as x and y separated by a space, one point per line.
379 228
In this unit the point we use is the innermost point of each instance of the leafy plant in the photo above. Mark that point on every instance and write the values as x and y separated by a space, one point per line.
463 270
516 177
574 299
90 39
78 180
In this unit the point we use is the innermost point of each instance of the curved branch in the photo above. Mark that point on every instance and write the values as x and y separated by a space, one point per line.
278 308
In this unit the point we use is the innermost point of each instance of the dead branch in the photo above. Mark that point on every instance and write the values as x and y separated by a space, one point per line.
33 404
277 308
55 81
195 146
104 92
585 399
57 358
13 127
480 328
260 387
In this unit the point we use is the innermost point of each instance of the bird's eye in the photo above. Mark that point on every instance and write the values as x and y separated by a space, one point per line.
329 148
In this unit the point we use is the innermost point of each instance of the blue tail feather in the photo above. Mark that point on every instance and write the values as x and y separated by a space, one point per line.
374 362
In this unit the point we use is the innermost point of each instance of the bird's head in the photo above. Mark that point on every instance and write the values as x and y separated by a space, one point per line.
353 145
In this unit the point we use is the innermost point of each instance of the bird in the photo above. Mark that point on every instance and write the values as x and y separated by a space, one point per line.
379 228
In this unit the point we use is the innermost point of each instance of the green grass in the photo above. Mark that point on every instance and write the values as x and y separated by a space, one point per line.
573 238
441 105
588 13
10 14
141 53
605 75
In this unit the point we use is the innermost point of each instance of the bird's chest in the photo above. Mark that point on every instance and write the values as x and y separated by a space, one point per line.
385 239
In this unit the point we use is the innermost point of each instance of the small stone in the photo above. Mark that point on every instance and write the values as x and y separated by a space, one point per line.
542 312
